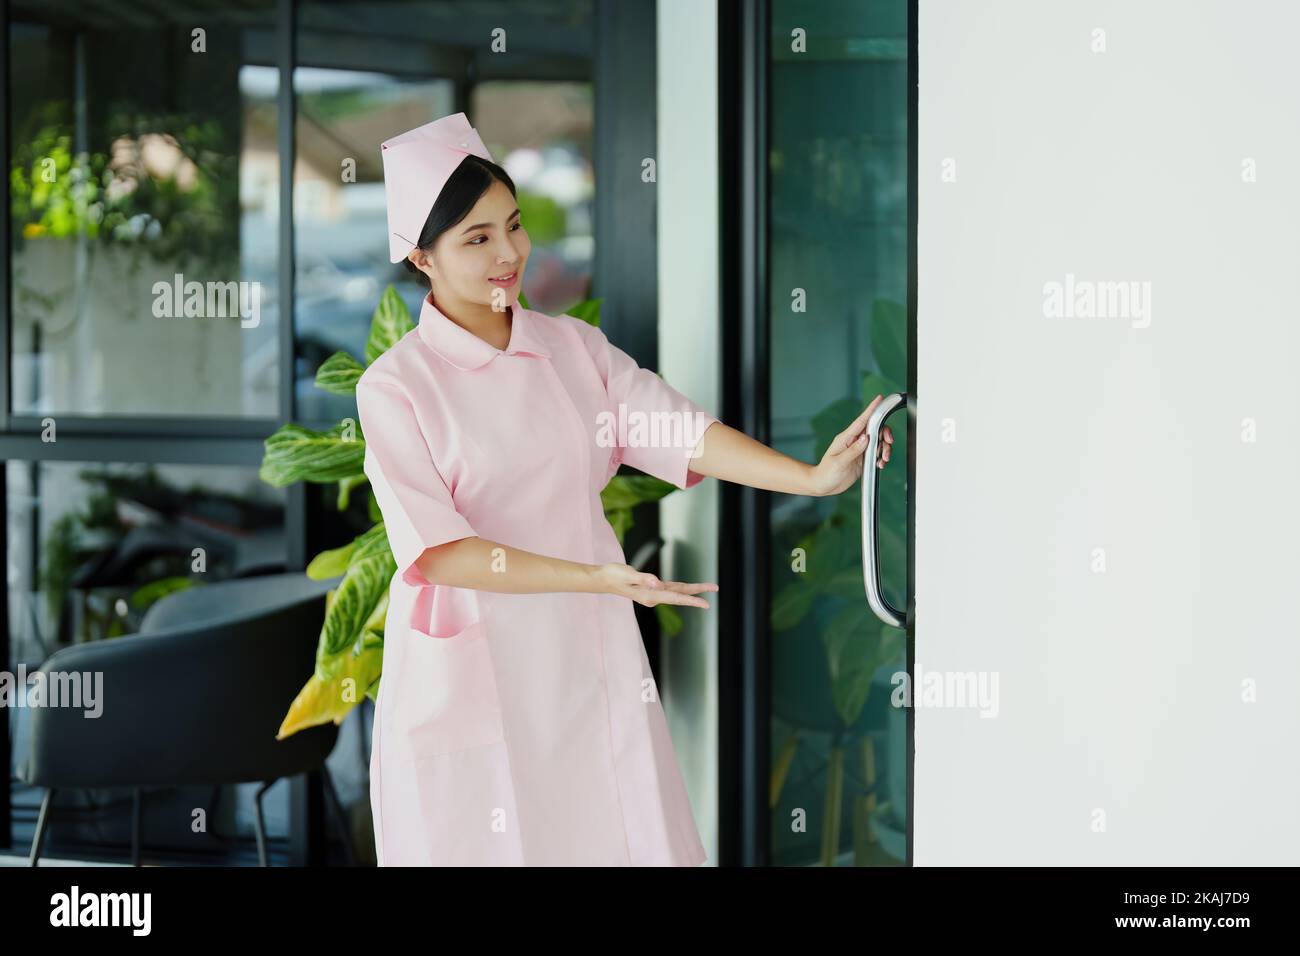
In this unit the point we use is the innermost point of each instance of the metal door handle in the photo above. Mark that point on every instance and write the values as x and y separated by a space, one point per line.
870 491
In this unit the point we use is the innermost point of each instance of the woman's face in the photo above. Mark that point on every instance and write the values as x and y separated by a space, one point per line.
470 259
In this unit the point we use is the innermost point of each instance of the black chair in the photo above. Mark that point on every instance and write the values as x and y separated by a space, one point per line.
195 698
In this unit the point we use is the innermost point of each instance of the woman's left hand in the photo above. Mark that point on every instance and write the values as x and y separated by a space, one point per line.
843 462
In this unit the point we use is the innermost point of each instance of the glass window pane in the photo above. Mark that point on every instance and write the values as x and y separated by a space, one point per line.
90 548
366 73
541 134
92 545
144 190
340 215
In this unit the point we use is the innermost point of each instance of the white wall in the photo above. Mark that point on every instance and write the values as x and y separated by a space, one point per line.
687 172
1106 509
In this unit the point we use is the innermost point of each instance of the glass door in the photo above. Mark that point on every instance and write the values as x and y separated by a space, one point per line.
836 219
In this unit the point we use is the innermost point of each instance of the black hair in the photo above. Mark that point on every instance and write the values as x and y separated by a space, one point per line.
464 187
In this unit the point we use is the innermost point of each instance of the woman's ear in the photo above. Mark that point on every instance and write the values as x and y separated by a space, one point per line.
418 259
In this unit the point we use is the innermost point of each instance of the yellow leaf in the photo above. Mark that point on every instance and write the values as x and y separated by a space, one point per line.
320 701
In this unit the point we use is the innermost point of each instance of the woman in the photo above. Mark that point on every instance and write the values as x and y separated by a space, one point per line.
517 719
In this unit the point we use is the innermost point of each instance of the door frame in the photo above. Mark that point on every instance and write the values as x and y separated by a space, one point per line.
913 75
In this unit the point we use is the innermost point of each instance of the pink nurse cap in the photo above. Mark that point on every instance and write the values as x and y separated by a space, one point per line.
417 164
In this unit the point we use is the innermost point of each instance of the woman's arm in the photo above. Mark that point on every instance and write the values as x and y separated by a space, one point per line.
733 456
491 566
434 544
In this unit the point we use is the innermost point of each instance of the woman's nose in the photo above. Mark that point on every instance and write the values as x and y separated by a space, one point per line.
508 253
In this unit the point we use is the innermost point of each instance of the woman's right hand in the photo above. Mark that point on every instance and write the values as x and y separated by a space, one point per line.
645 588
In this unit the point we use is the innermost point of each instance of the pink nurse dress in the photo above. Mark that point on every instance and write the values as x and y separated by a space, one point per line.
518 729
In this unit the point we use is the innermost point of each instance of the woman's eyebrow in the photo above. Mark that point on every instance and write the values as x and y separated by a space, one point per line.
488 225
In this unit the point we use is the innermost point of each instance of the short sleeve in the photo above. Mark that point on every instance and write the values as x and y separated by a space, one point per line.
664 427
412 496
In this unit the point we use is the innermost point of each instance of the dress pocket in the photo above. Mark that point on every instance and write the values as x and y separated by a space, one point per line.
449 699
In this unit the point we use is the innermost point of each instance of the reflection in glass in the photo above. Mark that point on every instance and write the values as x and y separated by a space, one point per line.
143 160
92 546
838 286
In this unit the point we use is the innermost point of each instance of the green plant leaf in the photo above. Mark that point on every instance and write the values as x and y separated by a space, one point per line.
294 453
889 339
332 563
588 310
547 219
145 595
345 489
628 491
852 644
620 519
846 583
857 645
791 603
873 385
338 374
331 699
392 320
828 552
832 420
670 622
365 583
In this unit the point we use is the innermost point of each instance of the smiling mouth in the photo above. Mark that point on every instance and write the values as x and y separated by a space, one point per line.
508 277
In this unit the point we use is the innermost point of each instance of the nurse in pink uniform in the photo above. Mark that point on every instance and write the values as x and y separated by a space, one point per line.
518 721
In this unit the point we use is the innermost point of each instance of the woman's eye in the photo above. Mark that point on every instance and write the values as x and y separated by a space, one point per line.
479 240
